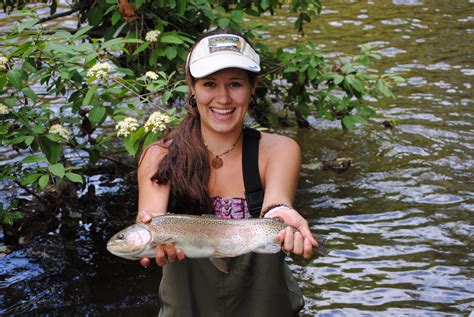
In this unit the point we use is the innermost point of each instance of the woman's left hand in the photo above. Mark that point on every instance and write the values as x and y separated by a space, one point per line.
301 242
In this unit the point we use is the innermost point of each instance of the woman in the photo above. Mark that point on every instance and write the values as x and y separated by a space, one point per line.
199 168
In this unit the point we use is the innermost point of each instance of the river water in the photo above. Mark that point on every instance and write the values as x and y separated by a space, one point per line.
399 223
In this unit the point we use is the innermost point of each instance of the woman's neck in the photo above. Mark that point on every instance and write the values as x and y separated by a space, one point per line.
220 142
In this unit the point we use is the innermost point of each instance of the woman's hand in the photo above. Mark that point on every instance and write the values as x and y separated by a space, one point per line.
164 252
301 242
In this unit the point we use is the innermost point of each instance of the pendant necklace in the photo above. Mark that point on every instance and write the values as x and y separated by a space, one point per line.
217 161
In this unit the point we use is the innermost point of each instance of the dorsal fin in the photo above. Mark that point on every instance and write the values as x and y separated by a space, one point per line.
219 264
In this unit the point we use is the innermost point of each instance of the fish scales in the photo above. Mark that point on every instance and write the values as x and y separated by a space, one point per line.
198 236
206 236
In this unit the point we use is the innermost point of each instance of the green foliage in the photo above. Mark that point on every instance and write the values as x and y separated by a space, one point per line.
80 91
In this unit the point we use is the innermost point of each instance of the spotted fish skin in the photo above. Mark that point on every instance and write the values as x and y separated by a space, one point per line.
198 236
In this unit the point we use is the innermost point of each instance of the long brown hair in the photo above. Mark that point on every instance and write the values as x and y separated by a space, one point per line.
186 166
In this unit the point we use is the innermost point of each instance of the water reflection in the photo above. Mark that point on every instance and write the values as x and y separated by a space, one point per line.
399 222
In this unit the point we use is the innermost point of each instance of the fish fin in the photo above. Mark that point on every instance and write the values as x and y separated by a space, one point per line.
219 264
321 248
268 248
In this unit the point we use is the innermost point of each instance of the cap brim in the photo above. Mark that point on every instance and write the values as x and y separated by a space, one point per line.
212 64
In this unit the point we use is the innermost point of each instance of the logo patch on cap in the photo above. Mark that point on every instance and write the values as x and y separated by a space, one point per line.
224 43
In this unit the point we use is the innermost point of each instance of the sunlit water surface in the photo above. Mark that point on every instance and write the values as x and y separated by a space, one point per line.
399 223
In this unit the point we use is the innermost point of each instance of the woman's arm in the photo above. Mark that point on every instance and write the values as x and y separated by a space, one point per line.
153 201
282 157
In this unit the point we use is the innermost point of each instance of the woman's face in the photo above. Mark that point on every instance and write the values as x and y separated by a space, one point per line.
222 99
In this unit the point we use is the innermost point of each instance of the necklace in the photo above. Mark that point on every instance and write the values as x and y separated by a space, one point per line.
217 161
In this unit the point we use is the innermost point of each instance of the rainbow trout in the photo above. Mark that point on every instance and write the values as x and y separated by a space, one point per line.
203 236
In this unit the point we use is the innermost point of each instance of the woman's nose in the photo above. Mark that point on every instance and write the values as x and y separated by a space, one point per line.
223 96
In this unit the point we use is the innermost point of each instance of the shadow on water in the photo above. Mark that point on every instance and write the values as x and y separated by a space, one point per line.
399 222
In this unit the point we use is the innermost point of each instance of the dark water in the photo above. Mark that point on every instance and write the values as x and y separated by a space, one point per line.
399 222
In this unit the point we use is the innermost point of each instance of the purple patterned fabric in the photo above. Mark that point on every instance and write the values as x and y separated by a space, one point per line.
230 207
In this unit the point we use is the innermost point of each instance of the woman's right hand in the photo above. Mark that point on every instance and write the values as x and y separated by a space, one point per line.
164 252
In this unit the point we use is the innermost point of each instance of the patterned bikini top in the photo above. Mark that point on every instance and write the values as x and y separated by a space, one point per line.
230 207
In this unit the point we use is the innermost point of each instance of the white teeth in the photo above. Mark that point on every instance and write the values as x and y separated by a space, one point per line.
222 111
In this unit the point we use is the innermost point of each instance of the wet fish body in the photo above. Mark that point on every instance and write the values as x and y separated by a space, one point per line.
198 236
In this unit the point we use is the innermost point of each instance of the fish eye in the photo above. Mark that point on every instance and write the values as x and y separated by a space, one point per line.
121 236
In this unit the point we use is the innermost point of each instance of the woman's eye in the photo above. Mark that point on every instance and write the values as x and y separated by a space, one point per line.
209 84
235 84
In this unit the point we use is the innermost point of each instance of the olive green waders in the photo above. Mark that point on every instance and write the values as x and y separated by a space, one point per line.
256 285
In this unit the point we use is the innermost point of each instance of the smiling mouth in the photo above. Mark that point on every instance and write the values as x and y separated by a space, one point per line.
223 111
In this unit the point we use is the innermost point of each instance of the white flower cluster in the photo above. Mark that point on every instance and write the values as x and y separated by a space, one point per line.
126 126
157 122
4 109
99 70
152 36
3 62
151 75
59 130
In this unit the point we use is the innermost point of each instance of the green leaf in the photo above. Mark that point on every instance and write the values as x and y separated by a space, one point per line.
223 22
26 25
33 159
97 114
348 122
116 16
166 96
131 145
119 41
43 181
29 139
15 78
171 37
382 88
51 149
57 169
171 52
95 14
141 48
75 178
29 179
90 93
82 31
359 119
354 83
17 140
150 138
347 69
60 48
182 88
30 93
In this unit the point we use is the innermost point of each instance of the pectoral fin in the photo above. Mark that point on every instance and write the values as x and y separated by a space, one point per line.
268 248
219 264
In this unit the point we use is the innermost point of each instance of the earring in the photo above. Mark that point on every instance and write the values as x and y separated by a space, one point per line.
192 101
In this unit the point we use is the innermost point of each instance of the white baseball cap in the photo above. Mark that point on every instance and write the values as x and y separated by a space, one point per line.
221 51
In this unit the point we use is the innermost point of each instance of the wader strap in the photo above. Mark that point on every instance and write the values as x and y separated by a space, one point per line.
253 187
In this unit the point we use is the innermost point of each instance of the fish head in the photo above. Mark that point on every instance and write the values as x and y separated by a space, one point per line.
130 243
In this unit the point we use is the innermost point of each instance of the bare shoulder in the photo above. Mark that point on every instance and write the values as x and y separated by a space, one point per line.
150 156
276 144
